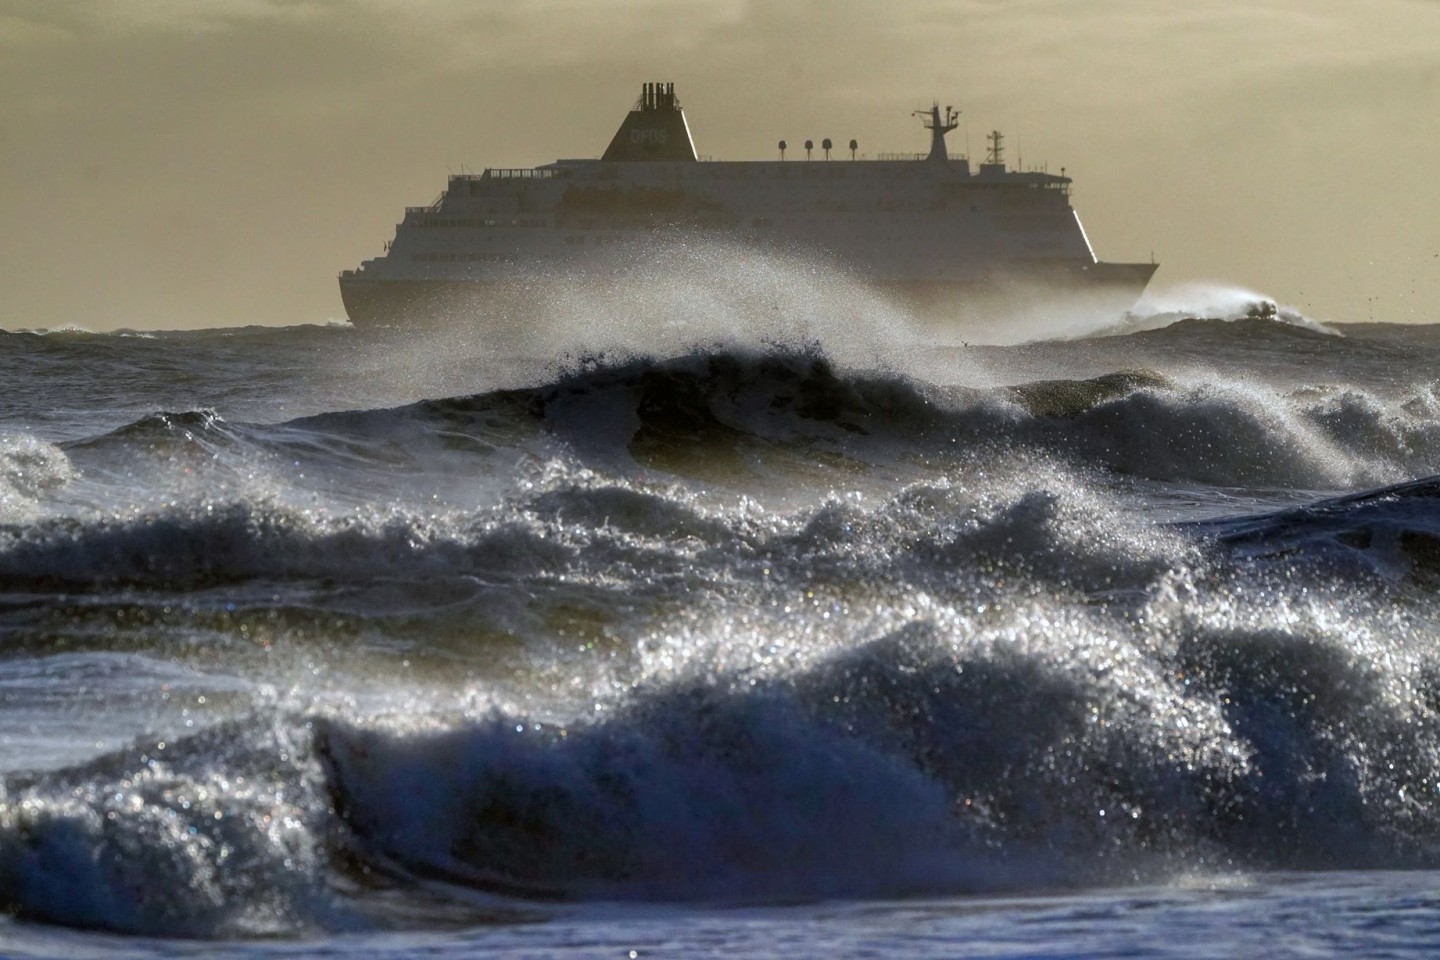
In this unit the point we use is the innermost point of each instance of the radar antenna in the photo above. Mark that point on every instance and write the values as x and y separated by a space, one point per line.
996 153
938 127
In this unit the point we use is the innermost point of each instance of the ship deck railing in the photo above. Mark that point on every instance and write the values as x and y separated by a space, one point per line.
518 173
432 207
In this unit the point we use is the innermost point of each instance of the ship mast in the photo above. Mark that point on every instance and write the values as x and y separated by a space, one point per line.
938 128
996 153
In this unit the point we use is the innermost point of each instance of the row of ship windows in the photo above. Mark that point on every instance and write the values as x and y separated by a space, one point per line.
470 256
475 222
452 256
792 206
1024 223
1042 222
585 223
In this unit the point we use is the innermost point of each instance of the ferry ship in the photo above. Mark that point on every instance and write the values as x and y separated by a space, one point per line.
949 241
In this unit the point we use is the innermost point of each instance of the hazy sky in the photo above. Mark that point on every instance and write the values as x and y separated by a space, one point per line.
178 163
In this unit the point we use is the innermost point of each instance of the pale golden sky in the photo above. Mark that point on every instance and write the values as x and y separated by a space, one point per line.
185 163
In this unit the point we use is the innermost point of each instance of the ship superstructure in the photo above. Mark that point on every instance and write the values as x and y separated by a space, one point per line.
926 228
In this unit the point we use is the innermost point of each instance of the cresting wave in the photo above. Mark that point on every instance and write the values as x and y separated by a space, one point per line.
674 414
1038 519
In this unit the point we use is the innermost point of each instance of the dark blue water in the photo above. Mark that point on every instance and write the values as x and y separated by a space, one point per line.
822 643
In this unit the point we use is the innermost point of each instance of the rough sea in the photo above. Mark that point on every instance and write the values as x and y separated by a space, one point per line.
733 618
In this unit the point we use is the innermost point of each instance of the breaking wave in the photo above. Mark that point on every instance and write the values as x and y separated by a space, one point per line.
743 408
1392 534
960 750
1211 303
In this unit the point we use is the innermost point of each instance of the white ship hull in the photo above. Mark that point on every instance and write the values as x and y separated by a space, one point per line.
1101 290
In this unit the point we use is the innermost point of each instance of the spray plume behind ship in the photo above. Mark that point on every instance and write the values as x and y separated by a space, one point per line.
955 245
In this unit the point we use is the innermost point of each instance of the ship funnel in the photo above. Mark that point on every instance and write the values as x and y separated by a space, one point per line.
654 130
